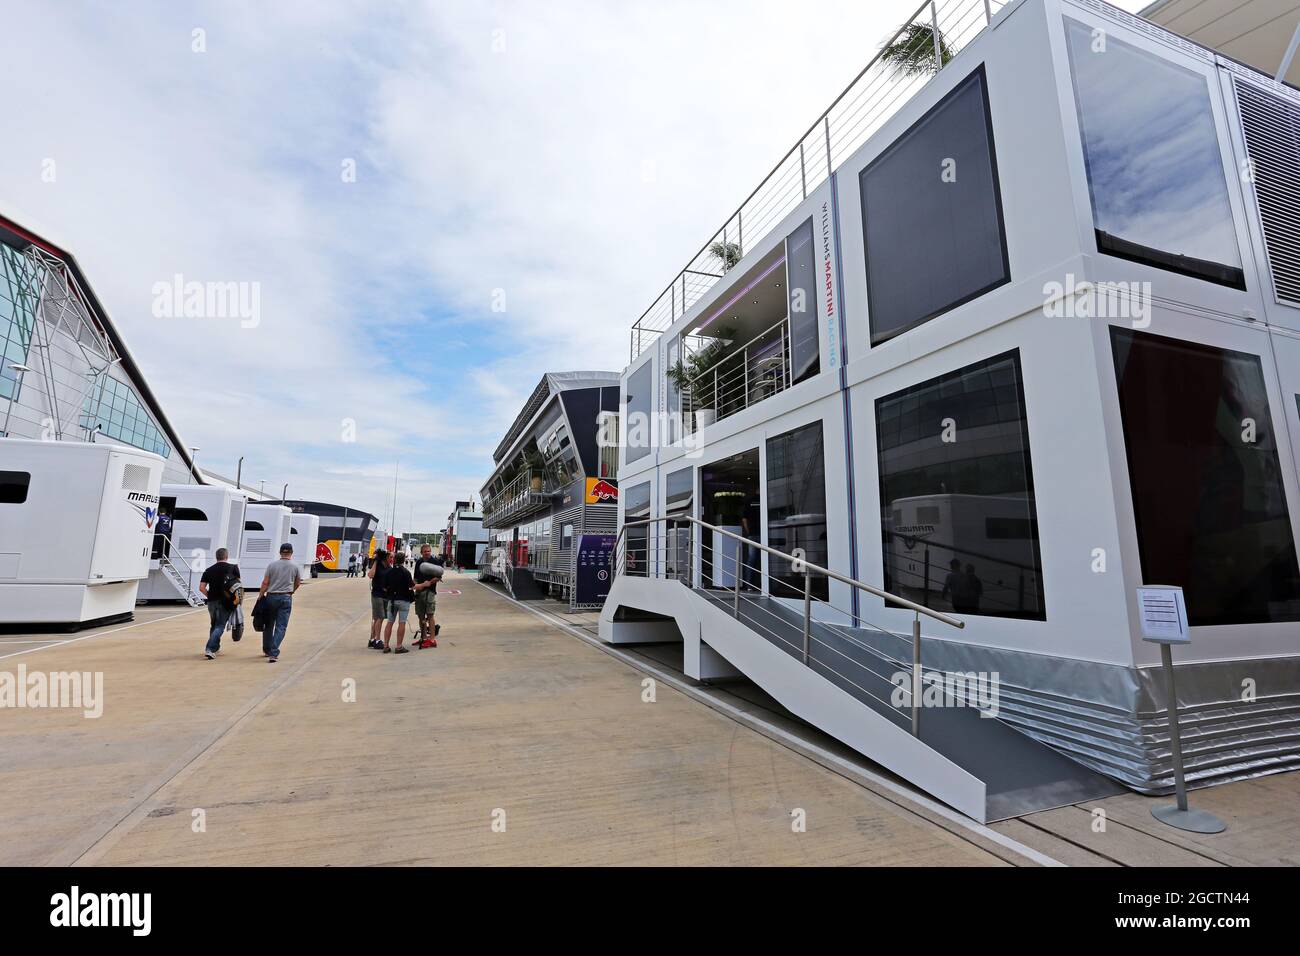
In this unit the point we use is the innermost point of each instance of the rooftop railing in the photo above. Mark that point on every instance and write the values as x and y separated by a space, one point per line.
932 36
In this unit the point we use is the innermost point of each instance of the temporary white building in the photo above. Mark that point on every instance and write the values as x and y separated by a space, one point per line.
205 518
304 532
76 528
266 527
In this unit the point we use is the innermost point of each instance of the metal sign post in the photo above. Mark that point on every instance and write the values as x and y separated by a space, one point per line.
1164 622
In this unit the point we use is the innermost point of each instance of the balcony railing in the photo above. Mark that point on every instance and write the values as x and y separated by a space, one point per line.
878 92
526 493
756 370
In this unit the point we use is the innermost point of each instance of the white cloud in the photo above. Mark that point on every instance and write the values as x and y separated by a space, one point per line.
577 169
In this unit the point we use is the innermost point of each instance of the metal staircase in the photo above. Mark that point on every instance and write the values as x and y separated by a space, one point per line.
182 581
893 707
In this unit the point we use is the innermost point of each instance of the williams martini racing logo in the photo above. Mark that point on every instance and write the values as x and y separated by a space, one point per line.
146 505
914 534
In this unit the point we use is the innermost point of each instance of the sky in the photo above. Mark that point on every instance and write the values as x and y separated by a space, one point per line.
435 203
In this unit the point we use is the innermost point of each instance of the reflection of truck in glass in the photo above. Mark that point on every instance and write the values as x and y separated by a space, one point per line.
995 533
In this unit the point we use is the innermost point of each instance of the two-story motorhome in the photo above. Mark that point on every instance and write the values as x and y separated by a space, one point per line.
550 506
1012 331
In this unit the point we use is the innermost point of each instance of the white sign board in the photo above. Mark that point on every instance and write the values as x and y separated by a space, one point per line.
1163 613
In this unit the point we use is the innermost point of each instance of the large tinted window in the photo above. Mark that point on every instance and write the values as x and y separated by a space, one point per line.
801 302
680 492
1155 173
679 499
932 215
796 508
1206 479
636 419
958 519
636 507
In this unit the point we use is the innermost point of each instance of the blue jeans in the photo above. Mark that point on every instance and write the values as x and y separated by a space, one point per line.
218 615
279 606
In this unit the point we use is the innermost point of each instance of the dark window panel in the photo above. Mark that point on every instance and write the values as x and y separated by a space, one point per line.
1210 506
958 520
1155 171
796 509
934 242
801 302
636 417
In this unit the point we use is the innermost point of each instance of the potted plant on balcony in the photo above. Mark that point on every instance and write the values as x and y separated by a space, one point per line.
913 53
536 464
727 252
692 377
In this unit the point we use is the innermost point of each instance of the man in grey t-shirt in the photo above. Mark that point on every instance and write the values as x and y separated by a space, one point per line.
282 579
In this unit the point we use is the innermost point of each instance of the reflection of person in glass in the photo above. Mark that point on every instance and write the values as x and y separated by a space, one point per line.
950 582
966 590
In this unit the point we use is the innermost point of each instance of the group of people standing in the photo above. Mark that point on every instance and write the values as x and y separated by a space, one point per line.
394 589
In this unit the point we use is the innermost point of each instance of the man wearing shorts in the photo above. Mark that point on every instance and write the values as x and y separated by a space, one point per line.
426 598
400 594
378 609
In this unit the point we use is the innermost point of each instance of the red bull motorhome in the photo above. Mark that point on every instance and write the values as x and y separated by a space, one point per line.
550 507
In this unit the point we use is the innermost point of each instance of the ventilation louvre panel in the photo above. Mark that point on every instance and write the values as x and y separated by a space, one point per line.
1272 130
135 478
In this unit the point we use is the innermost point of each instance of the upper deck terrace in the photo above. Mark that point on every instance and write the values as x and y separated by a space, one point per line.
932 36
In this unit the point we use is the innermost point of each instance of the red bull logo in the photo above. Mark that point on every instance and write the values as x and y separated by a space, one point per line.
601 491
324 552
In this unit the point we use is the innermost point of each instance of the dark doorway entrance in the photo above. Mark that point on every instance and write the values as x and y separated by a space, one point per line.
729 498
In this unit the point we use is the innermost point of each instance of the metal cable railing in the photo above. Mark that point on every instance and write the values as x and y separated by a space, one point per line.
672 547
875 94
750 373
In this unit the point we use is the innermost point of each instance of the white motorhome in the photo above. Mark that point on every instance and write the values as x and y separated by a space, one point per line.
76 529
266 527
1024 295
204 519
304 534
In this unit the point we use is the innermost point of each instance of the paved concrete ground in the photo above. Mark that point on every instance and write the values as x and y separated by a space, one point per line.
510 720
1263 815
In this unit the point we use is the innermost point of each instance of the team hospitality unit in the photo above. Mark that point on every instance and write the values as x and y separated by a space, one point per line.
398 584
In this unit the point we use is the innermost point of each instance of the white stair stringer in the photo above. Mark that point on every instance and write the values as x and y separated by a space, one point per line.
173 574
799 689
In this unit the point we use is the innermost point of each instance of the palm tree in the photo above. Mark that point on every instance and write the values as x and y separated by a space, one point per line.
728 252
912 54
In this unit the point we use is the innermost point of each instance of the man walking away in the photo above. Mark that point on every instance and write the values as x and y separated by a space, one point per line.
282 579
398 590
427 573
221 586
378 607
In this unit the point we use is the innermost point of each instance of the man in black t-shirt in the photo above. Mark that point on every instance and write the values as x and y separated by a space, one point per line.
398 595
220 584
